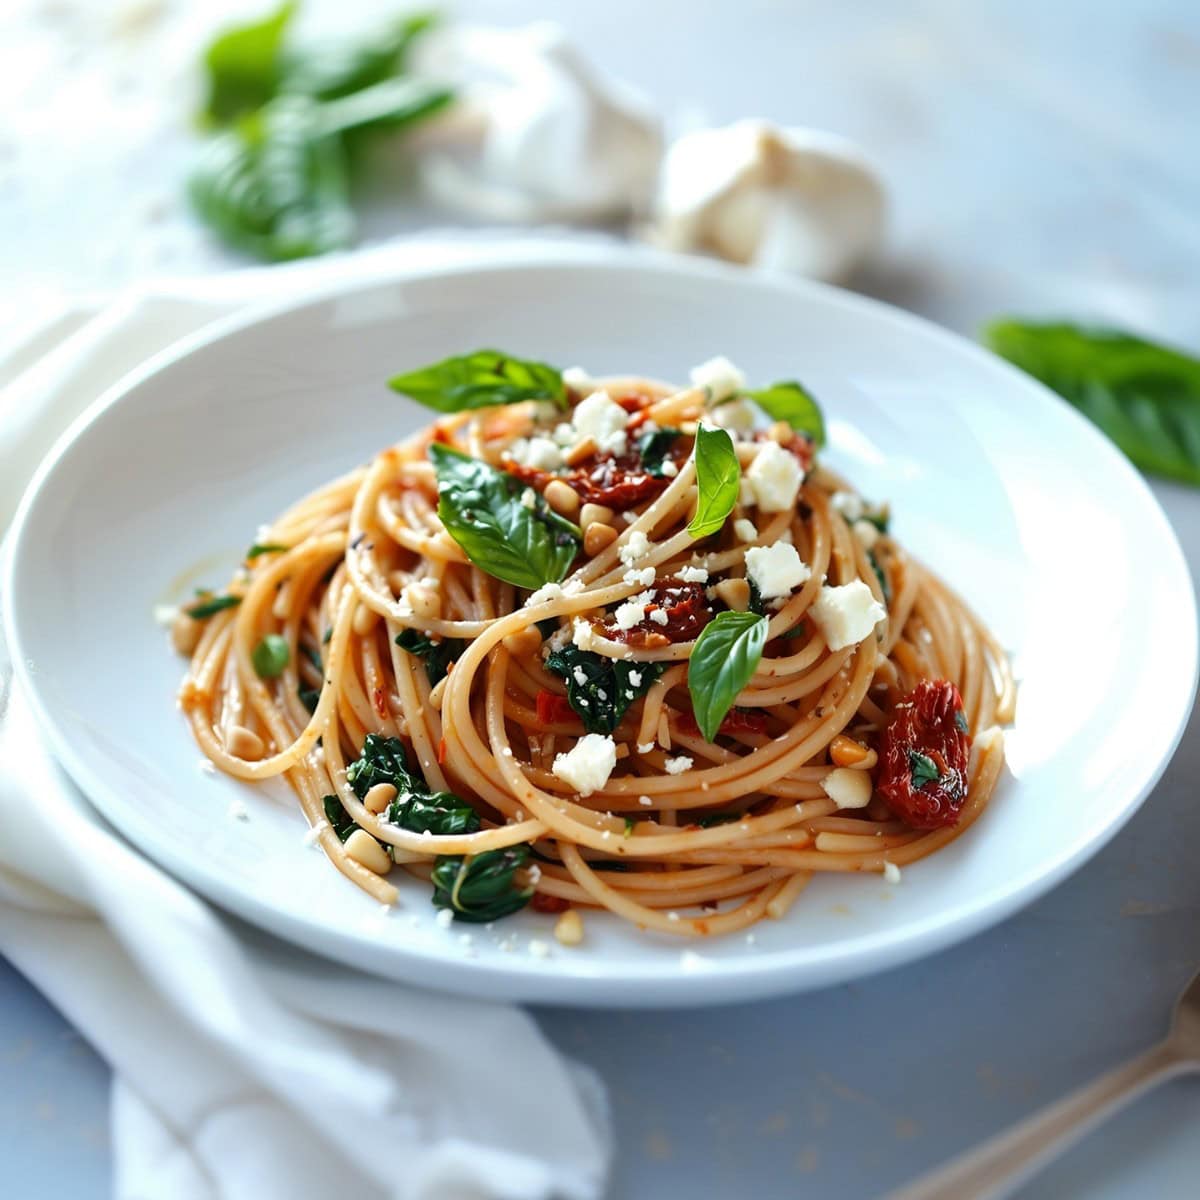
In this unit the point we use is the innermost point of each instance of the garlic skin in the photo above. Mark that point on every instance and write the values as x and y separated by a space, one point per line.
537 135
793 199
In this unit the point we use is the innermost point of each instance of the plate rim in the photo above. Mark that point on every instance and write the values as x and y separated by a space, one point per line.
765 973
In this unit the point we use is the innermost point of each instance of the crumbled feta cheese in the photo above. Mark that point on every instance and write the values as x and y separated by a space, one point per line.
538 948
738 416
548 591
775 476
645 801
165 614
776 569
599 417
635 678
677 766
848 504
891 872
444 917
577 379
644 577
587 766
539 452
581 676
746 530
313 834
238 810
584 636
719 378
848 788
672 916
529 499
564 434
668 468
866 533
746 496
645 747
694 574
847 614
636 546
659 616
631 613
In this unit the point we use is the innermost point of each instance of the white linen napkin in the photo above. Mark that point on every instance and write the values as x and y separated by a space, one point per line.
242 1066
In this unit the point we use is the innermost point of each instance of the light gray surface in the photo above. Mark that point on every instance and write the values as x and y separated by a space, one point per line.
1041 158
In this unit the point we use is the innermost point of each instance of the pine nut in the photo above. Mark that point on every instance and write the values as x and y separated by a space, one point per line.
561 497
243 744
365 620
598 537
848 788
185 633
589 514
780 432
425 602
523 644
568 929
367 852
735 593
379 797
580 451
846 752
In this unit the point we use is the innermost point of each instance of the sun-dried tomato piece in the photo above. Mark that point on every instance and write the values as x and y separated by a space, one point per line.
616 482
923 756
686 610
548 904
736 720
553 709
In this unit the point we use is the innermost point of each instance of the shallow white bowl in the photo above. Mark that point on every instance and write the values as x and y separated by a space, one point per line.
1016 500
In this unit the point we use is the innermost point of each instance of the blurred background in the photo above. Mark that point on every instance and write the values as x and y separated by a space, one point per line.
1034 158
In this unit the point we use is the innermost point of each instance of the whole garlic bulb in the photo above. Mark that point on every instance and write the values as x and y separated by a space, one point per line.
537 135
791 199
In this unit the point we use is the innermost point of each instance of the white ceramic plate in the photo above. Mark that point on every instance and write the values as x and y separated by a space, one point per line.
1017 501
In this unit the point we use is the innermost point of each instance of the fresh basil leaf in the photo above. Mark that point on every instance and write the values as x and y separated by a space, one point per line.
481 380
794 404
600 689
755 604
276 185
436 656
924 769
390 105
630 822
548 627
482 888
723 661
482 511
718 477
1145 396
340 821
260 548
443 813
313 656
718 818
383 760
270 656
884 586
653 448
798 630
243 66
309 697
211 606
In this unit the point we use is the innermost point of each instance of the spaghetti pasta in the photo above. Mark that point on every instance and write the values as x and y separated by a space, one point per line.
542 728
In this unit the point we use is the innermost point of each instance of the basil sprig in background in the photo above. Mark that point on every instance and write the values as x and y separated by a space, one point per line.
479 380
1145 396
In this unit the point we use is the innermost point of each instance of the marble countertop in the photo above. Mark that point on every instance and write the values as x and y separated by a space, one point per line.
1040 159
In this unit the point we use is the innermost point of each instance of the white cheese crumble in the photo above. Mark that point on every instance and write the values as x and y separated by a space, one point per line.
539 452
775 476
891 872
577 379
635 679
637 546
602 418
847 614
238 810
583 635
738 416
548 591
659 617
848 504
677 766
165 614
444 917
529 499
719 378
848 788
588 764
746 530
644 577
581 676
645 801
645 747
866 533
668 468
538 948
313 834
776 569
631 613
746 497
694 574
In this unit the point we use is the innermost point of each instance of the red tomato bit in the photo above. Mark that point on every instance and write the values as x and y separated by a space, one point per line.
923 757
553 709
687 609
548 904
619 483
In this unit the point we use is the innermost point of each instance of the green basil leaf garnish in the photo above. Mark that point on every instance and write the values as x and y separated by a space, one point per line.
1145 396
340 821
270 656
211 606
793 403
436 656
924 769
602 691
442 813
653 449
482 888
260 548
243 66
481 380
884 586
482 511
718 477
723 661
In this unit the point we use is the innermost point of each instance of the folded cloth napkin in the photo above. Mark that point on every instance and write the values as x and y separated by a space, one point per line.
242 1066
